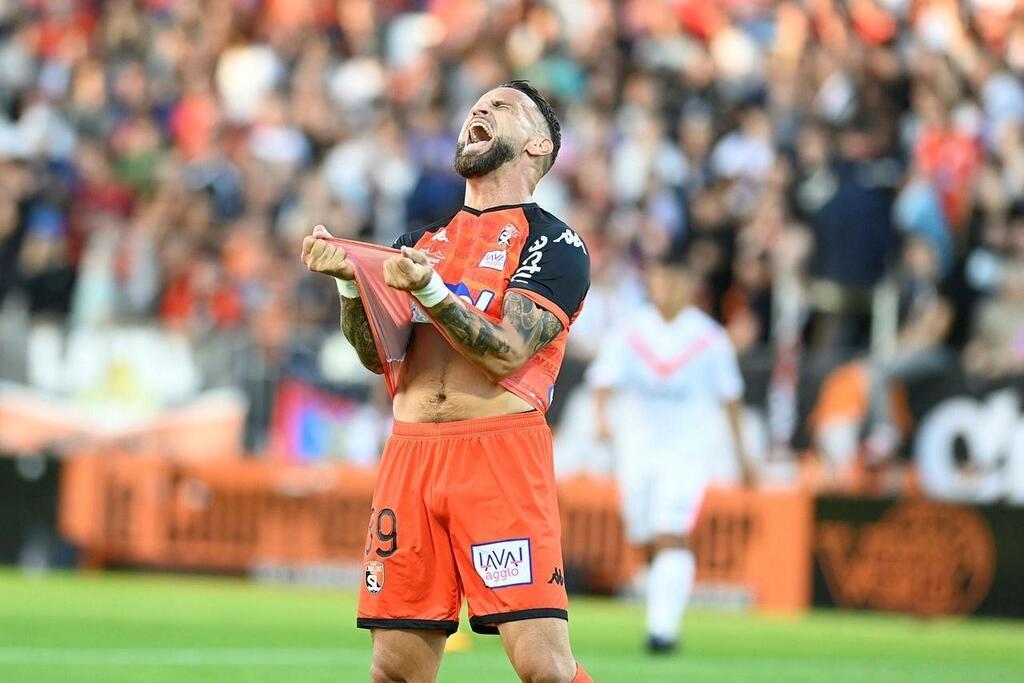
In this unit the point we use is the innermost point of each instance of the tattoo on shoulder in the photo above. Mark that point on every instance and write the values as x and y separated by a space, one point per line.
536 326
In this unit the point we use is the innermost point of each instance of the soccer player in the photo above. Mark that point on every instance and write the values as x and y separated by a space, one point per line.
672 367
465 496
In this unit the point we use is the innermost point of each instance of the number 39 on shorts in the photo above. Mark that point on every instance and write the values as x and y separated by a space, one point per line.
383 527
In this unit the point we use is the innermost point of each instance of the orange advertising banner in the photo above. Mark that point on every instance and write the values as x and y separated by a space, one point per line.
212 424
232 516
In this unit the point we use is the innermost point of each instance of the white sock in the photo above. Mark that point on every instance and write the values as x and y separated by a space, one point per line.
669 585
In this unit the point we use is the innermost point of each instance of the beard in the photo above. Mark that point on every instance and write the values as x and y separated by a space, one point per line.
476 165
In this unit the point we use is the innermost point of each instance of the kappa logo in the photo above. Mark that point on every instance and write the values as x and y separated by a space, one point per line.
504 563
440 236
508 233
569 237
373 575
557 578
495 260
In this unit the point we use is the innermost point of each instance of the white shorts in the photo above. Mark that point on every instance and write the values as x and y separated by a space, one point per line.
661 493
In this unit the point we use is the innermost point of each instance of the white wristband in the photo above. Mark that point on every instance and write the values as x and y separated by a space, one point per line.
433 293
347 288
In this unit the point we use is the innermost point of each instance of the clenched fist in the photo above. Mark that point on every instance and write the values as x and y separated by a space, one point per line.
409 271
320 256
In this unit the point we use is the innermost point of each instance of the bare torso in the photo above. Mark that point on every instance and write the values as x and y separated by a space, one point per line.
439 385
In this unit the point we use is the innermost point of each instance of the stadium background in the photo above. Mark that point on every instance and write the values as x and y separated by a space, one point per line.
175 393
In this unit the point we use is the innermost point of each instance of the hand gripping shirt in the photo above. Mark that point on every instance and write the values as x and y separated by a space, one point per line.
483 255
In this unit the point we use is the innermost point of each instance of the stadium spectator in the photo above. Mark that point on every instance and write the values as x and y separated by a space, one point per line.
147 149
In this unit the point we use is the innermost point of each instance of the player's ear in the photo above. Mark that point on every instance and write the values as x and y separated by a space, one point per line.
540 147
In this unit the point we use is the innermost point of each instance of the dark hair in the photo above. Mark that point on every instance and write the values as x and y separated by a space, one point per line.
677 254
554 127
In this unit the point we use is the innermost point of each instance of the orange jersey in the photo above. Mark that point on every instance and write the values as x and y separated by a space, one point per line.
482 255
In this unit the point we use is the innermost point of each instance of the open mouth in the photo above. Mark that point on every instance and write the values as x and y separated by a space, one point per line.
478 135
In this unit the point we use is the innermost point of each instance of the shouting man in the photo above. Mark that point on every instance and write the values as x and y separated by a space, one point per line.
465 497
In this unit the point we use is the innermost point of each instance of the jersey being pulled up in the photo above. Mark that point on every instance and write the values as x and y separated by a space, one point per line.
673 374
482 255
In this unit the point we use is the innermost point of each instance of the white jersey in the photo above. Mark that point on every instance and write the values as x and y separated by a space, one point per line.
674 374
670 380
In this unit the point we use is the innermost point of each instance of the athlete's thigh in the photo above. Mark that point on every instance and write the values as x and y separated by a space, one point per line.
539 648
410 656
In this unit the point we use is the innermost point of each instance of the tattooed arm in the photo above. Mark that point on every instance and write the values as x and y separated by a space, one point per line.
356 329
321 256
499 349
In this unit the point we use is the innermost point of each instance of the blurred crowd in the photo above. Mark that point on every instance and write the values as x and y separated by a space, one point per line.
160 160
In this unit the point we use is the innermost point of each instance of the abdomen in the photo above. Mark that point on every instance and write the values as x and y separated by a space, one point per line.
439 385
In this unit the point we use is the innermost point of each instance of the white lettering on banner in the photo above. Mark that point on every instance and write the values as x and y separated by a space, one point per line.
495 260
531 264
503 563
992 429
569 237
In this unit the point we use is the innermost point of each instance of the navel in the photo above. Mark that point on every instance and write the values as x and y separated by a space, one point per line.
441 394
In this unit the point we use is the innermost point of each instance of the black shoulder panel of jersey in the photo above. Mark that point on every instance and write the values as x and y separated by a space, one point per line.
410 239
554 262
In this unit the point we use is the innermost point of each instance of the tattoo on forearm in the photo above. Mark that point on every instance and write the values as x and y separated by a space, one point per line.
475 333
536 326
481 338
356 328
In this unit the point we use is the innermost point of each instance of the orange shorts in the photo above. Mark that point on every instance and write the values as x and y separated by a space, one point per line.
464 508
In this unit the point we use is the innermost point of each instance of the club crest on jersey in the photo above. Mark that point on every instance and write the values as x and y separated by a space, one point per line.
440 236
373 576
508 233
495 260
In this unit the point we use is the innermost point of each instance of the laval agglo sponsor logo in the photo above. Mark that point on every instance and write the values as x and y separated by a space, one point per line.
504 563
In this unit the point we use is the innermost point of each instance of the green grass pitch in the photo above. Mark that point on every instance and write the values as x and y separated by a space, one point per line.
114 627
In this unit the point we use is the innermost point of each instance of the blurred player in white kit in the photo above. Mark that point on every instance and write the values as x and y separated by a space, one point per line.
671 368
